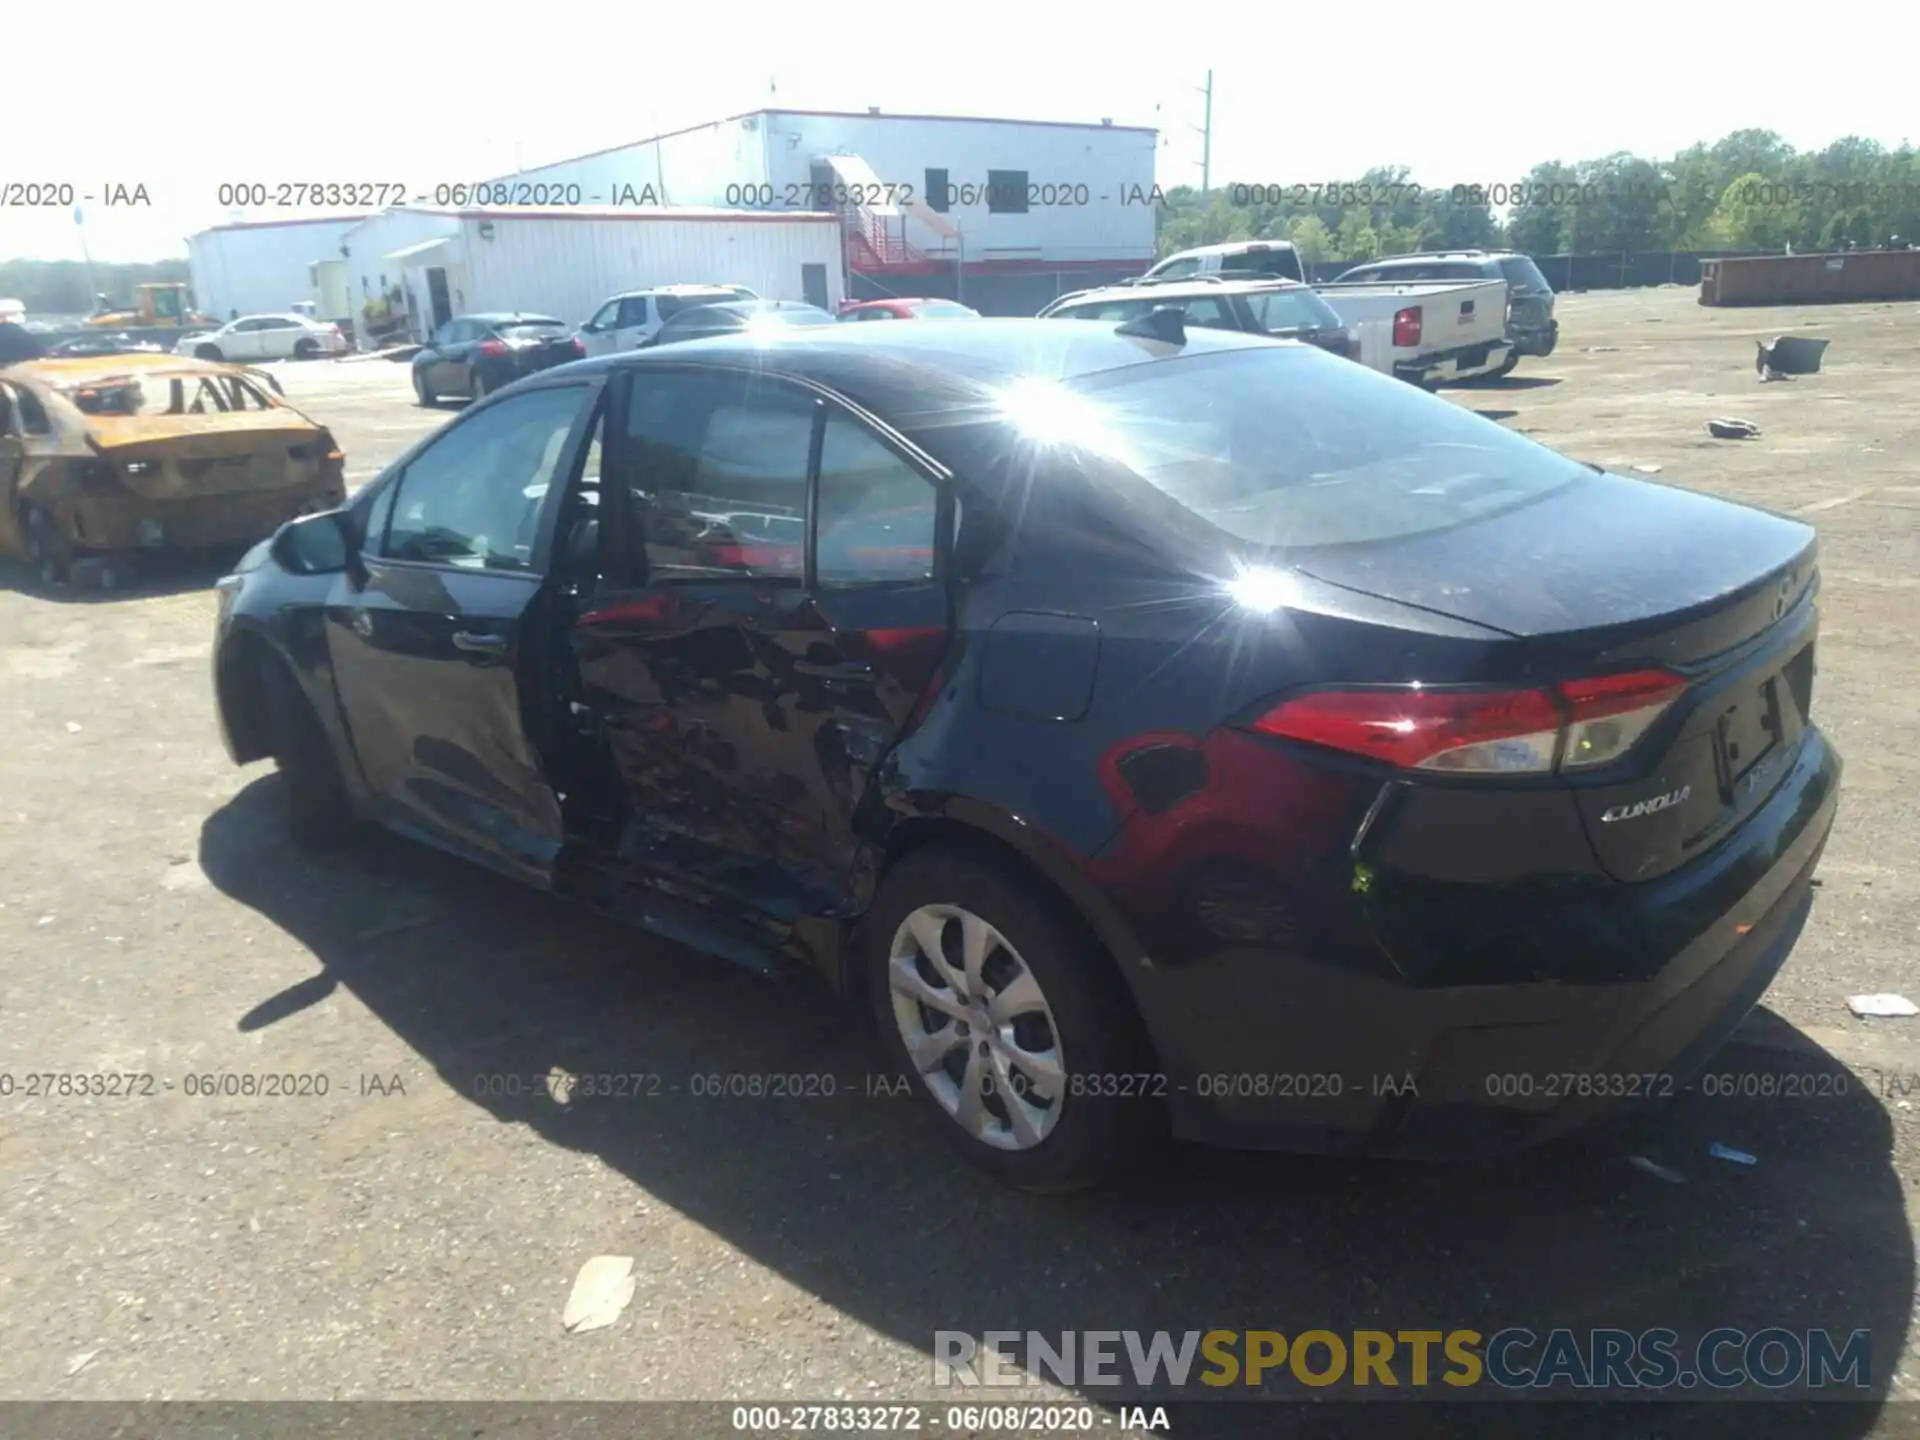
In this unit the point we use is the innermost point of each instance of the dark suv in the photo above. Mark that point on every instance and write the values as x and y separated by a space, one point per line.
1530 322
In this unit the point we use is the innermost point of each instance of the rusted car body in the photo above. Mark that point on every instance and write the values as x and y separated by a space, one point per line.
112 455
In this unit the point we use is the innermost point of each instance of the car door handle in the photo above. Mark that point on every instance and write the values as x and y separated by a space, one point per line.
834 670
474 644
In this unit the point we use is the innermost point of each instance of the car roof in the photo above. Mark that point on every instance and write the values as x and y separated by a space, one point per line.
1229 247
78 370
1424 257
1186 289
756 307
269 315
717 288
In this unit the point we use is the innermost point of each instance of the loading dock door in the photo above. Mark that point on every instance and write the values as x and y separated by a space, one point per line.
813 285
437 297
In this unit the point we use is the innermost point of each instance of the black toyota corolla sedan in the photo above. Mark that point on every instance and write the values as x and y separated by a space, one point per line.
473 355
1159 729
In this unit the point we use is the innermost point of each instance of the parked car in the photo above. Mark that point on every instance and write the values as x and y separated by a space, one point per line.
1120 717
1279 308
1531 325
757 316
102 458
1236 259
907 308
473 355
1426 332
630 320
99 343
265 337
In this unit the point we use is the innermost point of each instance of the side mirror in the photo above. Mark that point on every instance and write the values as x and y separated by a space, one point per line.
323 544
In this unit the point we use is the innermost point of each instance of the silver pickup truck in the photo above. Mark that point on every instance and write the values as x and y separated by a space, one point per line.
1426 332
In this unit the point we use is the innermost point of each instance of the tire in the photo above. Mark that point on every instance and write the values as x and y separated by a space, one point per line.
1506 366
49 554
427 398
305 349
1086 1021
208 352
319 810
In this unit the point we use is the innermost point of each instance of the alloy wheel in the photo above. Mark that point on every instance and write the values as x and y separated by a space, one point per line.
977 1026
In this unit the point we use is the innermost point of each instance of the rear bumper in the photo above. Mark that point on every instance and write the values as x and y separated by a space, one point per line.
1461 363
1271 1050
1537 340
195 522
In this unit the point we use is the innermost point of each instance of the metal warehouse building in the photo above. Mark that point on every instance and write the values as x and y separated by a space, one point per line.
255 266
1005 213
565 261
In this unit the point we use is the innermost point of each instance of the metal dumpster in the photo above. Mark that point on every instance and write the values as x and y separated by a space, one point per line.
1811 279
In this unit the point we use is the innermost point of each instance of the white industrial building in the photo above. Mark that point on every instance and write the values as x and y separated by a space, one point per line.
565 261
797 205
252 267
1012 211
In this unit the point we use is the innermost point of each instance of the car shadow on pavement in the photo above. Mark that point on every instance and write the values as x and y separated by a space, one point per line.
1508 382
855 1198
150 577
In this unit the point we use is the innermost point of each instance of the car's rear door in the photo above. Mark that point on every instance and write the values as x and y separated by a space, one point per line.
751 677
439 655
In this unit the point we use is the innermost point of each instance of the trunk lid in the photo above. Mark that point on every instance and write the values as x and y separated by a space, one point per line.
1612 575
173 457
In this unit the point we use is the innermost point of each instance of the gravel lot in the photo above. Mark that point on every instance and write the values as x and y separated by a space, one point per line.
403 1236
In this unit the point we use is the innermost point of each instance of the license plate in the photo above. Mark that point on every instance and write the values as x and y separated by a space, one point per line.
1746 732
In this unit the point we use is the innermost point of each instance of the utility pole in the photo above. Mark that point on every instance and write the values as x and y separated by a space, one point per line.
80 223
1206 139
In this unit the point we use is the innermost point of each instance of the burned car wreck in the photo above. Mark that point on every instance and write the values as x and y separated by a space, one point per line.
107 457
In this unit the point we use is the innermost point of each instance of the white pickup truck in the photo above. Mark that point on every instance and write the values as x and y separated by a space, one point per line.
1425 331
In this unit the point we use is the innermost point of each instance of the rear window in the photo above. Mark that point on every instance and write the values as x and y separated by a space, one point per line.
1284 263
1282 311
1290 448
944 310
531 328
1522 274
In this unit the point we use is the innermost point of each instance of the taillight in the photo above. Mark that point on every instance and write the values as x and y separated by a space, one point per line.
579 346
1577 725
493 347
1406 326
1606 716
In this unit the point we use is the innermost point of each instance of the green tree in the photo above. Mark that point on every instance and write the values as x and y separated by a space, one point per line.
1310 238
1356 240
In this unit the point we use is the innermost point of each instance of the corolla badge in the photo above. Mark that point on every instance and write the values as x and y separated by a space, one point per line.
1646 807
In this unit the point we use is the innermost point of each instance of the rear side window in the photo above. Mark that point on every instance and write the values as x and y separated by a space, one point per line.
1523 276
1292 310
1176 269
1291 448
719 466
877 513
33 415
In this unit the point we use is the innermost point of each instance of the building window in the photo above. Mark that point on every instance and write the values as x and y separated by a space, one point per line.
1006 192
937 196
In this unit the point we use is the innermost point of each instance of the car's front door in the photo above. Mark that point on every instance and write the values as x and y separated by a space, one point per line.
438 653
597 334
240 340
745 687
447 371
634 322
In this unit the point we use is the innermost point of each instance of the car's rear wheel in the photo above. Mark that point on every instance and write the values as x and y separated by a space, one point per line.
48 552
208 352
427 397
319 810
305 349
1011 1025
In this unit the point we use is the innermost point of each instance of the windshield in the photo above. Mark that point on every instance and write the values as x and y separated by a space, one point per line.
1290 448
1523 276
1283 311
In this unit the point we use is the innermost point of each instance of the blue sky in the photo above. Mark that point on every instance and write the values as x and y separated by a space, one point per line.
354 91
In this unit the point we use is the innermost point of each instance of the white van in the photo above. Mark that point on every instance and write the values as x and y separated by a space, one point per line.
13 312
627 321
